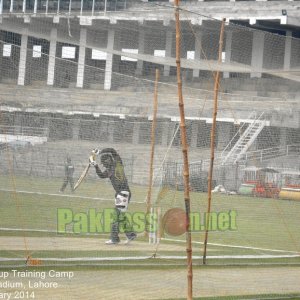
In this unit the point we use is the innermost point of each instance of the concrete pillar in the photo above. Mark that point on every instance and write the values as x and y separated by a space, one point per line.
197 52
81 58
224 130
76 129
1 53
287 50
23 58
165 133
35 7
169 36
194 137
139 65
283 137
52 54
111 129
228 51
18 124
11 8
47 125
136 133
109 59
257 53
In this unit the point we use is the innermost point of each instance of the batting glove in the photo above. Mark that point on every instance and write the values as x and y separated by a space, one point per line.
96 151
92 161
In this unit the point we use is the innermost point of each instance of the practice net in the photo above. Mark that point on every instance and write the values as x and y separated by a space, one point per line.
70 89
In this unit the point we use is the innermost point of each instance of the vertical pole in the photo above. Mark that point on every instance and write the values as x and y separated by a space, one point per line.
141 46
105 6
228 50
70 6
81 58
93 7
109 59
24 6
212 139
35 7
287 50
11 8
198 47
257 53
81 7
23 57
185 157
149 194
52 55
168 49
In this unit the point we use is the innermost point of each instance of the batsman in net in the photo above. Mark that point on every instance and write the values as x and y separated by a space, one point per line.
114 170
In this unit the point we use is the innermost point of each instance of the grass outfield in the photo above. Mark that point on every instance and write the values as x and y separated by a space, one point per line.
257 260
28 207
166 283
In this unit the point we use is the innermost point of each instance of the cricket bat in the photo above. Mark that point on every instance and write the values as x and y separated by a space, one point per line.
83 175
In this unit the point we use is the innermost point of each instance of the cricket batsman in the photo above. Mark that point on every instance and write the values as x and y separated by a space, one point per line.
114 170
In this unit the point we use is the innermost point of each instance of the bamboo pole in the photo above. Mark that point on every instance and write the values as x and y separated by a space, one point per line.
212 139
184 146
149 194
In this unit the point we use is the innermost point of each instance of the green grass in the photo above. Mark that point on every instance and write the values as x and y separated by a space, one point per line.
262 224
88 188
252 297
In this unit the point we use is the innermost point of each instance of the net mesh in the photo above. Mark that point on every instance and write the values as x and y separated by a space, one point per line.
70 88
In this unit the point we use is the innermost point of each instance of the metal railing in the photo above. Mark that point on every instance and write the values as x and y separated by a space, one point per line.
61 6
269 153
238 134
77 6
245 139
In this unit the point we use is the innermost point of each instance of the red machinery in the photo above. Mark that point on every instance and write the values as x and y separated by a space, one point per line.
260 182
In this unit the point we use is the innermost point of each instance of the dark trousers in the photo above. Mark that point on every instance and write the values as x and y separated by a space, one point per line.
120 222
65 183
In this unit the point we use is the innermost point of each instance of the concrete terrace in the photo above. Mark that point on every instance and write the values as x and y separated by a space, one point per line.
28 85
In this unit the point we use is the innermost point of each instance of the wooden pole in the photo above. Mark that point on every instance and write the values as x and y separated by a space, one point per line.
212 140
184 146
149 194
